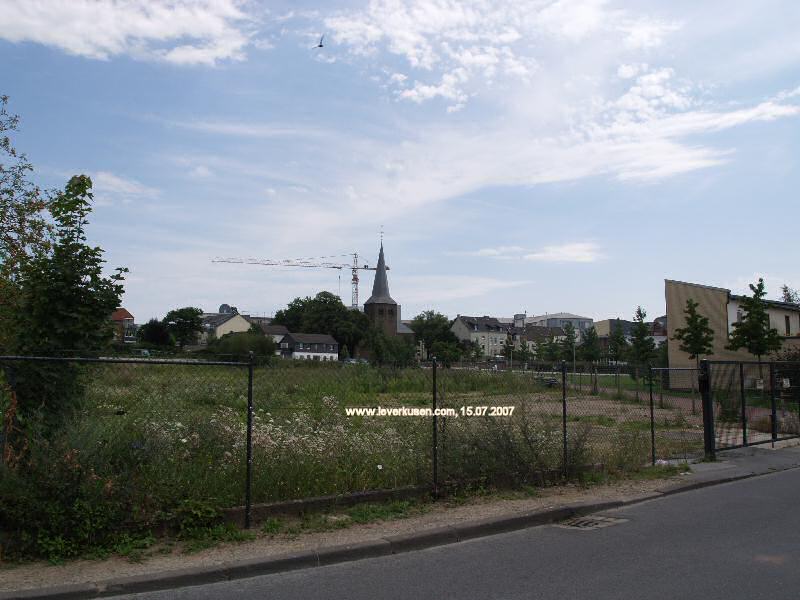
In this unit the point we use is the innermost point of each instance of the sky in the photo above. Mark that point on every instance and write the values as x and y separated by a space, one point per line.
535 157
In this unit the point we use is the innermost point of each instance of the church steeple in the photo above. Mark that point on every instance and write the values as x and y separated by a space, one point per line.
380 288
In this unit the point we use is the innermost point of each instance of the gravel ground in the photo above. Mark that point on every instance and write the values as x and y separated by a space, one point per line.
36 575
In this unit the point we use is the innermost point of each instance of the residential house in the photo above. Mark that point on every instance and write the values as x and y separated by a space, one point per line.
309 346
657 330
124 327
723 309
215 325
488 332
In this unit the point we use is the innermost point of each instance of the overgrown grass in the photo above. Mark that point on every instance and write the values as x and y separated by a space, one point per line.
154 446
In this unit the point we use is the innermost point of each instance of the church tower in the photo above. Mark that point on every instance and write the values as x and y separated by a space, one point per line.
380 308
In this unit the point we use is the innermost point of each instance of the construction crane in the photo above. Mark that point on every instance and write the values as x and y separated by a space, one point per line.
309 263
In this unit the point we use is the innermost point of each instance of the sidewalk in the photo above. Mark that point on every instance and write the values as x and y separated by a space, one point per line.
442 523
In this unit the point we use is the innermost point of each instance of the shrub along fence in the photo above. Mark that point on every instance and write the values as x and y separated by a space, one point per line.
140 444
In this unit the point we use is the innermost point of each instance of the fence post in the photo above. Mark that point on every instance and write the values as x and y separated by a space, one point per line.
564 411
704 383
434 442
773 403
652 419
248 501
744 404
619 384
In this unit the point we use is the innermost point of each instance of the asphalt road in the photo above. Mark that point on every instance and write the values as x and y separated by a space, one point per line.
738 540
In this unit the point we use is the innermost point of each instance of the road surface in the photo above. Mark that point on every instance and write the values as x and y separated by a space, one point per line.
738 540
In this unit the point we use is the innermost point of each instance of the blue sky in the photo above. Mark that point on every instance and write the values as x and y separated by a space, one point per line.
534 156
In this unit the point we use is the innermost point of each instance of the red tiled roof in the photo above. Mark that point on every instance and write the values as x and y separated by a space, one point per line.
121 314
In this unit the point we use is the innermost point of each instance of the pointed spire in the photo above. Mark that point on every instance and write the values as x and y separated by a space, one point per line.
380 289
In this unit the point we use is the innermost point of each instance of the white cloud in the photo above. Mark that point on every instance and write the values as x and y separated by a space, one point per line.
581 252
109 188
183 32
456 49
570 252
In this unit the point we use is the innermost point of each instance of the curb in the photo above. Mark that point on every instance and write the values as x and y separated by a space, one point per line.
394 544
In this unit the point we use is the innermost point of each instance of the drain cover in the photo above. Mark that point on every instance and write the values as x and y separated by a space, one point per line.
589 522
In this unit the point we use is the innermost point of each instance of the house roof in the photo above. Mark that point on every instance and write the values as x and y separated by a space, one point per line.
380 287
484 323
312 338
274 329
403 328
121 314
215 320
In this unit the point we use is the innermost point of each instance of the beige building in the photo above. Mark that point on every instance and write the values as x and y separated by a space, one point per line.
488 332
723 310
216 325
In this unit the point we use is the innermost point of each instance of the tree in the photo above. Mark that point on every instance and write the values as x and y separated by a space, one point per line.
389 350
753 332
240 344
24 227
550 350
568 344
697 338
446 352
431 327
184 324
525 353
255 328
325 313
590 348
64 302
643 348
789 295
155 333
617 344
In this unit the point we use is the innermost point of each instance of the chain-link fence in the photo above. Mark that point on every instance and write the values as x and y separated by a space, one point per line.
150 434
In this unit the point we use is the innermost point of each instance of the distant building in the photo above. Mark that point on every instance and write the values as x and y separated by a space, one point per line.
381 308
489 332
560 320
124 327
309 346
723 309
215 325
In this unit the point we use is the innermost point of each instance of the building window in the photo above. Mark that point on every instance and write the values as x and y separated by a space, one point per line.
788 326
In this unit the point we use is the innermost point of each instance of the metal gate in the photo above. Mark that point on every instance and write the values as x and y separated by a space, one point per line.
746 403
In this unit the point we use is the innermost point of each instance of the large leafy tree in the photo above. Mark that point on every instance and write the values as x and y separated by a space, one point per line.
696 338
325 313
184 324
753 332
393 351
25 230
431 327
154 333
64 302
